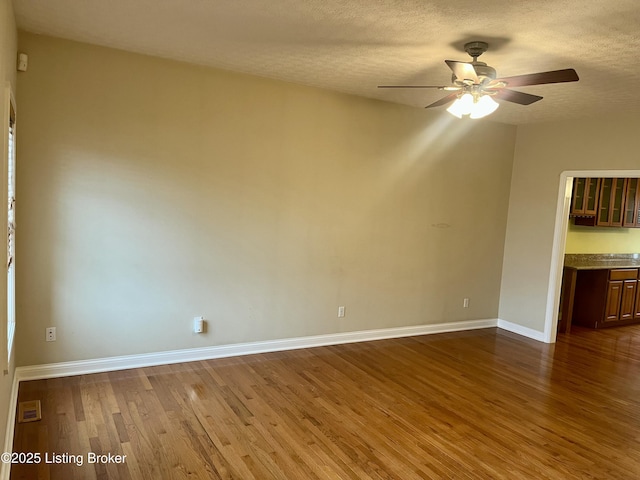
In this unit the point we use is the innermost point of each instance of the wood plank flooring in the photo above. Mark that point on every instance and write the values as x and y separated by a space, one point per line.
466 405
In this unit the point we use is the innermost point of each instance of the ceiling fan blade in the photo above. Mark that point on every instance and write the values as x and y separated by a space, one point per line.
439 87
463 71
517 97
541 78
444 100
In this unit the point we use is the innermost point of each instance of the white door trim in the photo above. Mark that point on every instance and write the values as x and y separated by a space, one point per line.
560 239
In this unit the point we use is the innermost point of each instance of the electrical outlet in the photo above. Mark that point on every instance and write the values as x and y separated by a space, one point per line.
50 334
465 303
340 312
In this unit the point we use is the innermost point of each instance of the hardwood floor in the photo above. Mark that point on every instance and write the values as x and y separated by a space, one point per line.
467 405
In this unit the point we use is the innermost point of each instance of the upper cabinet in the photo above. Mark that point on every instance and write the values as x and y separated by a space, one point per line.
586 192
612 196
606 202
632 204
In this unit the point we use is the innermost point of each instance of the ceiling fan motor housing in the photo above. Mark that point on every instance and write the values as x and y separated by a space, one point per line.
484 71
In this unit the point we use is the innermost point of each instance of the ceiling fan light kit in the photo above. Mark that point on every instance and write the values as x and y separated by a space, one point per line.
477 106
475 84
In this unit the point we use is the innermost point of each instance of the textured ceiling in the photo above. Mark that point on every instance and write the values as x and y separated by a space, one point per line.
354 45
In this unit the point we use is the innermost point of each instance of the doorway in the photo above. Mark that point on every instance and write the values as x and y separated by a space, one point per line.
565 190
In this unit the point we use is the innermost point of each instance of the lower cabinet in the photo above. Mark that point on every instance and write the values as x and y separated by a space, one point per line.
614 295
628 301
621 300
605 298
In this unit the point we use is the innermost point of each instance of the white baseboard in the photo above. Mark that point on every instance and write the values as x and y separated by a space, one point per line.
520 330
82 367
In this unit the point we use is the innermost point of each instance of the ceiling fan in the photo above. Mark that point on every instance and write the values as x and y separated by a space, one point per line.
474 85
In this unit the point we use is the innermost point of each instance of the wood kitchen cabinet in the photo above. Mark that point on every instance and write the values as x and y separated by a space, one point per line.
612 196
628 300
621 299
600 201
632 203
614 295
606 202
586 192
606 298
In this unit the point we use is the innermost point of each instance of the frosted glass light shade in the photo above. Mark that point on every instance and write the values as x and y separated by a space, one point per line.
483 107
475 107
462 106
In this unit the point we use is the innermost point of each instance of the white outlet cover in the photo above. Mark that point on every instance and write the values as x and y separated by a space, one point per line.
198 324
50 334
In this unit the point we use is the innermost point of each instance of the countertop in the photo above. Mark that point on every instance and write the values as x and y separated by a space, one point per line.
602 261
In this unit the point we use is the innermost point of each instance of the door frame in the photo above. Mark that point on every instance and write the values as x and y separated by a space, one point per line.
560 239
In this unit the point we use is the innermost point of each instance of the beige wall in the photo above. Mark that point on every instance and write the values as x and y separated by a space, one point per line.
543 152
602 240
8 53
153 191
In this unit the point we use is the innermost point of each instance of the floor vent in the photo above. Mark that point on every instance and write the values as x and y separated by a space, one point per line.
29 411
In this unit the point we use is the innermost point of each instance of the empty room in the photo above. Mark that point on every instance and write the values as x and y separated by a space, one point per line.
320 239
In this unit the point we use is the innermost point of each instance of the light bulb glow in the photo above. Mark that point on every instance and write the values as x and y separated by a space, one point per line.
462 106
484 106
474 106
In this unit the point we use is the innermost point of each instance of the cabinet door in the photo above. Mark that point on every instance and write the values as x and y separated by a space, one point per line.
632 203
579 197
605 201
591 195
617 201
627 303
586 192
614 295
612 196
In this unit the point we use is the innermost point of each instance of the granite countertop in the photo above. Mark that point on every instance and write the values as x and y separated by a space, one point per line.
600 261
